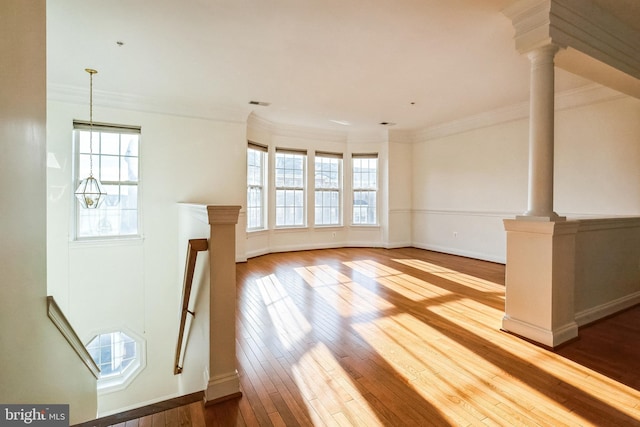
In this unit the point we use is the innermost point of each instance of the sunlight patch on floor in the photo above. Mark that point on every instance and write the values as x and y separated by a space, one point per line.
415 289
348 298
321 275
422 356
371 268
289 323
447 273
330 392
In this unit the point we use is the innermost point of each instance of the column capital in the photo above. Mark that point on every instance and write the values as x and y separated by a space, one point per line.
223 214
530 19
543 53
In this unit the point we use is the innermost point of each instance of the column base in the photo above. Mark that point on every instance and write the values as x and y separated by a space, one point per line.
540 280
221 387
546 337
549 218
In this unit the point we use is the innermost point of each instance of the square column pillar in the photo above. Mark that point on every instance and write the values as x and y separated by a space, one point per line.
223 381
540 280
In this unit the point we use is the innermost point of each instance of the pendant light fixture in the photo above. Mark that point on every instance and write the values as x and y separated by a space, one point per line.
90 193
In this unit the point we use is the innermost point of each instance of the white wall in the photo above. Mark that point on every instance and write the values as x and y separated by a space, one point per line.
607 275
399 191
38 365
135 283
465 184
598 159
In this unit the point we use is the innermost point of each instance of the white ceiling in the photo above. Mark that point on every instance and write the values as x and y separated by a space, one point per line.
360 61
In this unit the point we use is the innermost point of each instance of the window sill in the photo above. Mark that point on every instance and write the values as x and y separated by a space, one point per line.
328 227
365 226
107 241
257 232
292 229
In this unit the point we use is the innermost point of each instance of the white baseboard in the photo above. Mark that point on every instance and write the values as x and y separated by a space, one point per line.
589 315
550 338
368 244
397 245
454 251
222 386
294 248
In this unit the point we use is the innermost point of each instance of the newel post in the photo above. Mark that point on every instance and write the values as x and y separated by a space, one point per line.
223 381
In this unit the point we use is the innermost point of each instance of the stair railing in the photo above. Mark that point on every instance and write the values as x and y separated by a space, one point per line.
60 320
194 246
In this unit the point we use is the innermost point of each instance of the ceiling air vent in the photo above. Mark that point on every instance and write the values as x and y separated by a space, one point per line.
260 103
387 123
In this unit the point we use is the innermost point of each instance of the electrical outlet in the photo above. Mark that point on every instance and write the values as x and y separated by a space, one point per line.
455 234
333 234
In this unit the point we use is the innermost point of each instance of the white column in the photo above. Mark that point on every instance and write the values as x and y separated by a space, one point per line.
541 135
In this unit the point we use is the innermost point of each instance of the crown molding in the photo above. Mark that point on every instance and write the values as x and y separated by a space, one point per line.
592 93
530 19
258 123
477 121
75 95
579 97
585 95
579 24
401 136
375 136
595 32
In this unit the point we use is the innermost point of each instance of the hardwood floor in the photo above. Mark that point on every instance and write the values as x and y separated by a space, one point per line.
182 411
405 337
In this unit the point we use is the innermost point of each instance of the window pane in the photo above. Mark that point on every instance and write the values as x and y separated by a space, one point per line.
113 353
256 161
129 196
115 162
84 167
84 142
128 222
328 189
290 193
365 186
113 195
110 144
109 168
129 145
129 169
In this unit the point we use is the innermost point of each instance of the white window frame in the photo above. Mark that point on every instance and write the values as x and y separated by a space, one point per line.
121 380
256 206
366 186
322 190
290 193
107 208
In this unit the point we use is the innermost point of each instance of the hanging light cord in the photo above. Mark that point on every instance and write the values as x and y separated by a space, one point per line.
91 73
